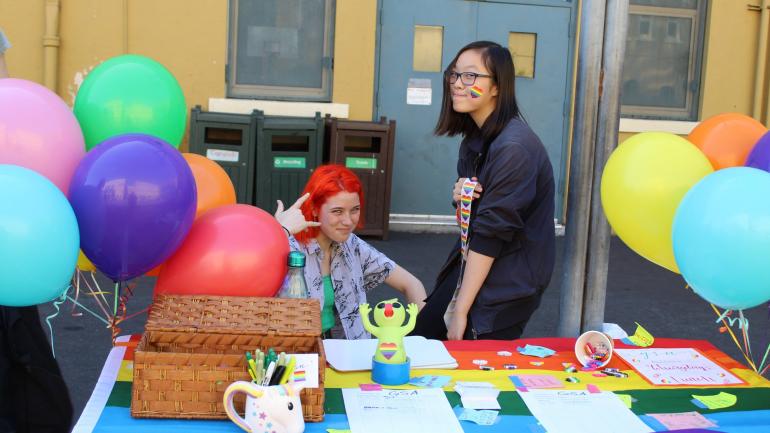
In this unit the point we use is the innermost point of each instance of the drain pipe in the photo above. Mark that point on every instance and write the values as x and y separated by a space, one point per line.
51 44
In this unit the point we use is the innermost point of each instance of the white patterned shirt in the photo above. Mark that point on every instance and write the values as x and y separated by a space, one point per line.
356 268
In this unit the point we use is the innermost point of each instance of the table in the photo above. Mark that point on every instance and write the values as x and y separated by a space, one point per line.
108 409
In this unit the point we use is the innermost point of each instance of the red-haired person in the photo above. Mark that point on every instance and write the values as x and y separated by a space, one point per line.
340 267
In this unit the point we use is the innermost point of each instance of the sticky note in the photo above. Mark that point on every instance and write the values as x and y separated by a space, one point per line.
719 401
539 351
334 430
370 387
626 399
430 381
536 381
641 337
683 420
480 417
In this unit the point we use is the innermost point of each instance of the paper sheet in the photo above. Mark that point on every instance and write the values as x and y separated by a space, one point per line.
402 411
719 401
356 355
677 367
478 395
561 411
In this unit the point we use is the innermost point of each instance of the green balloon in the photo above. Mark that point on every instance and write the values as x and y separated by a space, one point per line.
130 94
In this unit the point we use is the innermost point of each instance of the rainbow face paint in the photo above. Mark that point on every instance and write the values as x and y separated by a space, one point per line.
476 92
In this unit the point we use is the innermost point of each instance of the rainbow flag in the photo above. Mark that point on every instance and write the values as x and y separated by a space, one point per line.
108 408
476 92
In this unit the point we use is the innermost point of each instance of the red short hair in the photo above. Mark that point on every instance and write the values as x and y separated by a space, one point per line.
327 181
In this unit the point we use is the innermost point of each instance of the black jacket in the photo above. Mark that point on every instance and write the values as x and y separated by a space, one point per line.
33 395
512 221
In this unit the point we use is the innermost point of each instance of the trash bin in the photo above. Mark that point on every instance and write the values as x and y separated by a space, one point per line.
288 150
228 139
367 149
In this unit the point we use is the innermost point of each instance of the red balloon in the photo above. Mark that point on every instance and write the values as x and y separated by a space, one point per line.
233 250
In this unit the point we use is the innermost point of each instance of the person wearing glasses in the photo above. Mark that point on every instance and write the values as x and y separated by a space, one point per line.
491 290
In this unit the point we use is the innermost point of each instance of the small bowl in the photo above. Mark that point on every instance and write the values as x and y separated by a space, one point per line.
596 341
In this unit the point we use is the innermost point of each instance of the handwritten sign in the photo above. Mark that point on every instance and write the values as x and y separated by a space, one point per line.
676 367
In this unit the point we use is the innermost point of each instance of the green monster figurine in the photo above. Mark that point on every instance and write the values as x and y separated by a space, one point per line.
390 331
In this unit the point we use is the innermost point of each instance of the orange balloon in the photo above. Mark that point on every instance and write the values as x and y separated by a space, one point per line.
233 250
727 138
214 185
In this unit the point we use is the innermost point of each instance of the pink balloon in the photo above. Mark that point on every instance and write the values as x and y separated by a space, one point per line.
38 131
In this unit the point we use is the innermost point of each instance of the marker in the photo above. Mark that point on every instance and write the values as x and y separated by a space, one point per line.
289 369
268 374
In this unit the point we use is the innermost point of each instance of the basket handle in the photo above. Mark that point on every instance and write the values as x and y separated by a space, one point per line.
247 388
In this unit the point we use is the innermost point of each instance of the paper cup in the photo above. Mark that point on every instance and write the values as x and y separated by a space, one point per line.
596 341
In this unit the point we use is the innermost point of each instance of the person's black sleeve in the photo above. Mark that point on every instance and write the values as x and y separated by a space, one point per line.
510 187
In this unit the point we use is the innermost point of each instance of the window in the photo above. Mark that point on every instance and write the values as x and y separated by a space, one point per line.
280 49
522 47
428 45
661 70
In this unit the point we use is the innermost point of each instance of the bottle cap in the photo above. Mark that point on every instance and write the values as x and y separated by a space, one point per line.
296 259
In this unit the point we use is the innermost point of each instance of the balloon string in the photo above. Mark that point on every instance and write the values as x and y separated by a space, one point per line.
76 280
735 340
100 291
121 310
88 311
745 327
96 295
62 299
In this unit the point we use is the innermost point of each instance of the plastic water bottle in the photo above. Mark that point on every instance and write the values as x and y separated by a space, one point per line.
294 286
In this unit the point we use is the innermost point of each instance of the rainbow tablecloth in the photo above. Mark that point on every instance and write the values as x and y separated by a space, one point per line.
108 408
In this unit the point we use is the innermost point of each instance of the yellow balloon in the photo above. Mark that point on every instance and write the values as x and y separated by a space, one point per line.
84 264
642 184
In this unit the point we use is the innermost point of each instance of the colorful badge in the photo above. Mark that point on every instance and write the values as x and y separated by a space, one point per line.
388 349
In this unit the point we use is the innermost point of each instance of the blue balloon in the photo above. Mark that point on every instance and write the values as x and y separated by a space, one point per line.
721 237
38 238
134 196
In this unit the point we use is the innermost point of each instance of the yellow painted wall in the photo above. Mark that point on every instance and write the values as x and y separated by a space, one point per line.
730 58
354 55
22 22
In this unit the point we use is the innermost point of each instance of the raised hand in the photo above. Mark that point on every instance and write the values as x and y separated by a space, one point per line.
458 189
292 218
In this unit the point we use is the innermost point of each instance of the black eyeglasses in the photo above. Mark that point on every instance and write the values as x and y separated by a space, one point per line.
467 78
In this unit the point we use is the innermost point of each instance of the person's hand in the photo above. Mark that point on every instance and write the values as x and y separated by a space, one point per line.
458 189
457 325
292 218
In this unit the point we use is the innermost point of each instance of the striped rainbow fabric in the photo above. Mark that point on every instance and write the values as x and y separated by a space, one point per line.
108 409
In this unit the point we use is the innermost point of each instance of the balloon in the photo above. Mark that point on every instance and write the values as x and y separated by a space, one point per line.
643 182
214 185
727 138
84 264
134 197
233 250
131 94
721 238
760 154
38 131
38 238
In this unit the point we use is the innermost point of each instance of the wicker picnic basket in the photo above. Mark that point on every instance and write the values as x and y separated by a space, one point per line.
194 347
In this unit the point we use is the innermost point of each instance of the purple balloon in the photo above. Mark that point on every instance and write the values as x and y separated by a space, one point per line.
134 197
759 157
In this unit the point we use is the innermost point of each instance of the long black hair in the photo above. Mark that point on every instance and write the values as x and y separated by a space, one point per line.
499 63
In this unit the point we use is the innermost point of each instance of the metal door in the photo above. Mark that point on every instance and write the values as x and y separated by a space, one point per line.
424 165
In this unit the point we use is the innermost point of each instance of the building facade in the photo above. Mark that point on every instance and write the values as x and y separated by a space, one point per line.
686 60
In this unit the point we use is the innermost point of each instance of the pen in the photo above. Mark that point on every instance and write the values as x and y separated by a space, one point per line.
251 364
289 369
277 375
268 374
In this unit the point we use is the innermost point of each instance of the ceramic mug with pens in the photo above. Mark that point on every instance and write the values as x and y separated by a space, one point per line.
275 409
